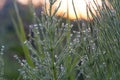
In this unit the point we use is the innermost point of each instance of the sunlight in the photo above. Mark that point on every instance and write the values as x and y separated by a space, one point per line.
68 10
24 2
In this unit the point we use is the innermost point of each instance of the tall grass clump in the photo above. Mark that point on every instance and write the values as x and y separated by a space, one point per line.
19 28
85 50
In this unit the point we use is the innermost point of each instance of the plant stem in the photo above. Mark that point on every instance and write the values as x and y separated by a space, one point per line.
21 35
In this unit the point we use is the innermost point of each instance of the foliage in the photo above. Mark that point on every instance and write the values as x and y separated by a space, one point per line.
65 51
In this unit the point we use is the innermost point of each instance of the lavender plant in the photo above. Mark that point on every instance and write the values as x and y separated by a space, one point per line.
61 53
1 64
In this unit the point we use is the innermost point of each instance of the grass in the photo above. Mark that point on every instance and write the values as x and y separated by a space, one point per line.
58 50
19 28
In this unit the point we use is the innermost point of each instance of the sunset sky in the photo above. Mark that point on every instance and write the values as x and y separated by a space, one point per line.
66 8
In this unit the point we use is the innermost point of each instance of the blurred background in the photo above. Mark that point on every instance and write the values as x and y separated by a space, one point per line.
8 37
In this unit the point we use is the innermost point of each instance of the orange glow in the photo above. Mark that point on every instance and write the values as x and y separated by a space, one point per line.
2 3
24 2
34 2
66 7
